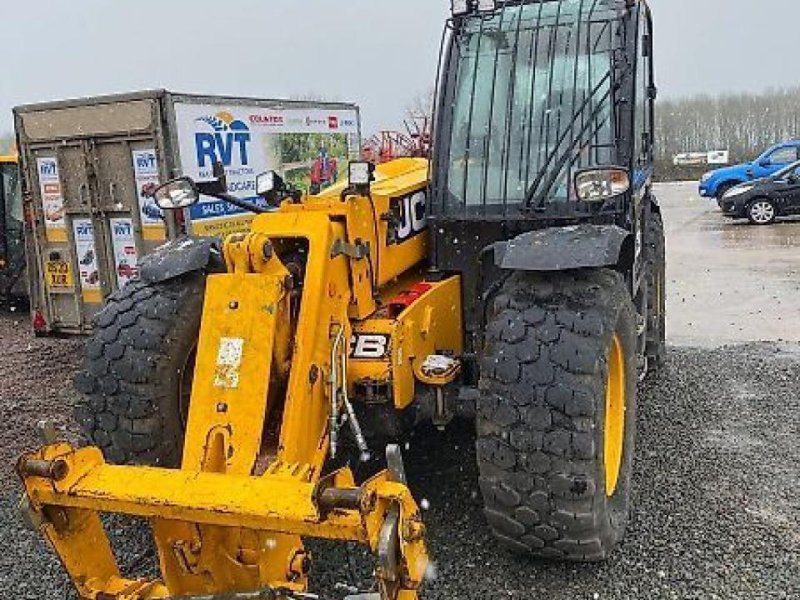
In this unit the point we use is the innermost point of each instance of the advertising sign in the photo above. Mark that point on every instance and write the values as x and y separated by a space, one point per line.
310 148
691 159
86 256
52 199
145 168
719 157
126 261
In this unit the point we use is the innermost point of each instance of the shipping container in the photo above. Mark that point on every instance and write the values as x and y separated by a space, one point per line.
87 166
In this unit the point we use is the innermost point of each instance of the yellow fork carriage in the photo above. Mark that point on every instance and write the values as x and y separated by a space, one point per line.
281 350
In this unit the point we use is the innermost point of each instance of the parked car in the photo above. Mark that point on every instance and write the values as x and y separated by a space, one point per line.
764 200
715 184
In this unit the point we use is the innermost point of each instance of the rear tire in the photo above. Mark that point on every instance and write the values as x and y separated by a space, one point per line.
551 345
656 260
137 371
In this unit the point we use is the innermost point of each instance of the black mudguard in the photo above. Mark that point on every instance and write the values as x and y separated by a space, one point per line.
563 248
181 256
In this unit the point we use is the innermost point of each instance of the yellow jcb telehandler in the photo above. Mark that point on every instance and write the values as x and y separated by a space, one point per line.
12 242
517 279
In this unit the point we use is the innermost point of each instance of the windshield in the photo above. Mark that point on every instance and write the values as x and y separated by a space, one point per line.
9 178
531 101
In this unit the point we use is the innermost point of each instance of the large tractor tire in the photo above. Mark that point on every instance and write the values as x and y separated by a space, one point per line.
656 261
139 362
558 413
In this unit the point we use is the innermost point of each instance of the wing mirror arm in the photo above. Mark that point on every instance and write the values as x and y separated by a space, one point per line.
237 202
183 192
218 188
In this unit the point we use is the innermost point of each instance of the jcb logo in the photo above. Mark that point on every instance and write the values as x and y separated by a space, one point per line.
369 346
413 217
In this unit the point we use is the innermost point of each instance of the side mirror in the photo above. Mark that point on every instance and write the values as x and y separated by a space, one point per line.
176 194
600 184
765 163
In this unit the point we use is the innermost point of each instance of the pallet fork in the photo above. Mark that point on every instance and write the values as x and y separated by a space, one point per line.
229 523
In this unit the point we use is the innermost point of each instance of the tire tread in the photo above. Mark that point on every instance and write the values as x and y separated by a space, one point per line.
536 443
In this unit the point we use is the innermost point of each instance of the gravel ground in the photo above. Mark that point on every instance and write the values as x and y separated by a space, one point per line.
716 505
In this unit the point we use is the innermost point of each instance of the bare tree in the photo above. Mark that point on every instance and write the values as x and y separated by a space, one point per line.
421 105
745 124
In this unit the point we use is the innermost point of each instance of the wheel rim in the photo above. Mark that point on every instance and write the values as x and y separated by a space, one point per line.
614 435
762 212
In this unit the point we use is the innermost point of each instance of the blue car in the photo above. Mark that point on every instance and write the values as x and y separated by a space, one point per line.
714 184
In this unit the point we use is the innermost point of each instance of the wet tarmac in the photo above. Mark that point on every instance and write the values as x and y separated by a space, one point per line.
728 281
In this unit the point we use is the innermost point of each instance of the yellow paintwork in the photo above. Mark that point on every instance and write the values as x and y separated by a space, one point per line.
395 179
58 274
233 518
431 325
614 434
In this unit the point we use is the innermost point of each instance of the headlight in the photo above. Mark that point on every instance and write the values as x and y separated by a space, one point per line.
361 173
600 184
269 182
706 176
460 7
738 191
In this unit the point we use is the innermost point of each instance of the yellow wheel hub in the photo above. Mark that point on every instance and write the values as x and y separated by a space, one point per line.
614 434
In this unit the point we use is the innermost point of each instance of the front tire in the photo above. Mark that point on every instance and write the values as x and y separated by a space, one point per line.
722 190
762 211
557 414
139 361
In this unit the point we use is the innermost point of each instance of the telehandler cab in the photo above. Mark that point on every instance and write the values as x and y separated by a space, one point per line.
518 278
12 242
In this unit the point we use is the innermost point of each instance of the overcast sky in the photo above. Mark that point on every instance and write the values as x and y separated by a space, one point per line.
378 53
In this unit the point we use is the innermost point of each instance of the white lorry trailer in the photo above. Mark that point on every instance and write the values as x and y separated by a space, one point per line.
87 167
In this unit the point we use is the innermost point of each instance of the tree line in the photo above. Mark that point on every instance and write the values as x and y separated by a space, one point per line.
743 123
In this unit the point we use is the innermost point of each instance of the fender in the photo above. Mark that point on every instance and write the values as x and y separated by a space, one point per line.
181 256
563 248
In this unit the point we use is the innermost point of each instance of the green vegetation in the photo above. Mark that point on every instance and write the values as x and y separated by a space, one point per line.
299 150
